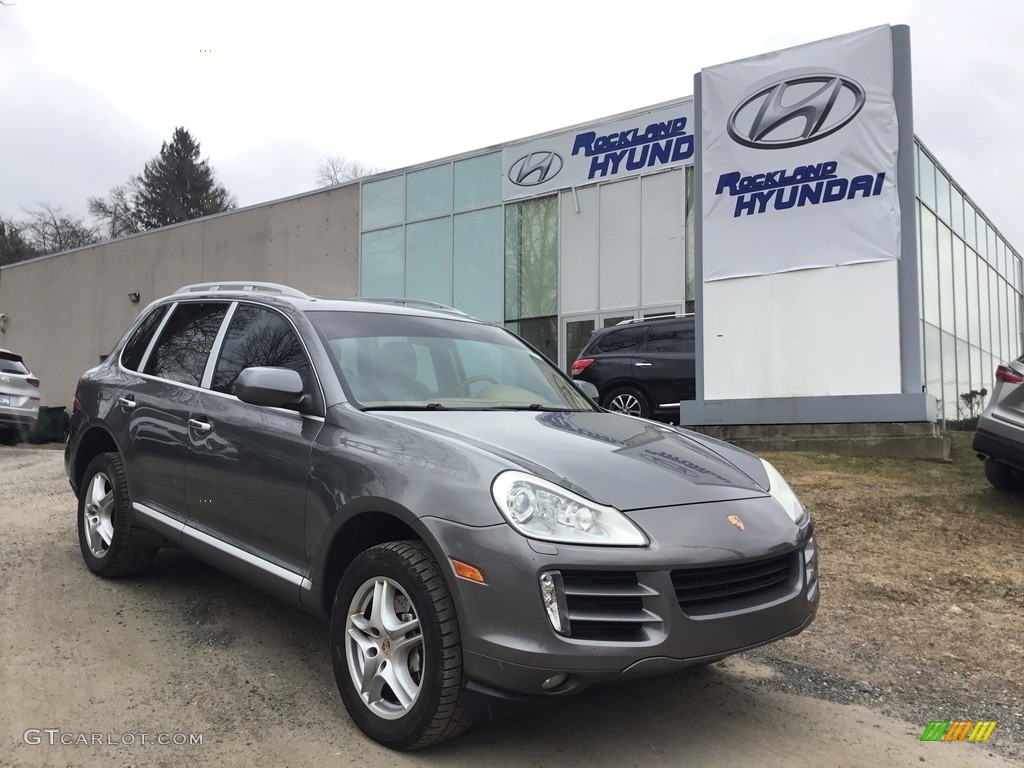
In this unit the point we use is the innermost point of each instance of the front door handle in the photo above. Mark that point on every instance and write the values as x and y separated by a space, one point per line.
200 426
127 403
642 365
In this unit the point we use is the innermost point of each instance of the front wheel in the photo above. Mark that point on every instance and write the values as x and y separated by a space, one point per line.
628 400
396 647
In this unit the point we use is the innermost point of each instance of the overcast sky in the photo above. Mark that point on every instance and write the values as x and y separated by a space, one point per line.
90 88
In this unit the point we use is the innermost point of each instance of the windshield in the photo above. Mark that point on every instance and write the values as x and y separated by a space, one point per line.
405 362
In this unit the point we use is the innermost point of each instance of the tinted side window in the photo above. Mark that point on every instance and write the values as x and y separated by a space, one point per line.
131 357
258 337
621 340
670 337
184 346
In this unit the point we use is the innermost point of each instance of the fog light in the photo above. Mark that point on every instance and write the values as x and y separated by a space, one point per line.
554 681
811 561
552 595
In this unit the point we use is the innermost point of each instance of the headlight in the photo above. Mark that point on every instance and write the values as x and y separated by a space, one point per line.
541 510
782 493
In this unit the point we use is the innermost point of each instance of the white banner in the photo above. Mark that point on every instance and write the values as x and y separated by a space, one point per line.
799 158
647 141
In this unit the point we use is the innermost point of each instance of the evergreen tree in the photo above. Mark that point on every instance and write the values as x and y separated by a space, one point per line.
178 186
13 245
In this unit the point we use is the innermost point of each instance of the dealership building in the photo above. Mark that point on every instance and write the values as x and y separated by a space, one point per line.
837 272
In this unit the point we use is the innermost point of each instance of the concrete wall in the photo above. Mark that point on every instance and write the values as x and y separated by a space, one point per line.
65 311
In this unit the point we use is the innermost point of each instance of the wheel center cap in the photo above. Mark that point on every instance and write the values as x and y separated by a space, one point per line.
385 646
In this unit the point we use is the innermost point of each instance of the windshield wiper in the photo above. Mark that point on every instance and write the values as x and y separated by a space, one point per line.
408 407
531 407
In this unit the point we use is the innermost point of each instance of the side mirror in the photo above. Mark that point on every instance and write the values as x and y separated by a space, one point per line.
272 387
587 389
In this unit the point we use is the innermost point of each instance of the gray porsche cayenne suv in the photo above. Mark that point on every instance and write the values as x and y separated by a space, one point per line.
478 532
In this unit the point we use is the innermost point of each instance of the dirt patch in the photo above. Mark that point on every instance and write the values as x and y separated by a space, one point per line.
922 569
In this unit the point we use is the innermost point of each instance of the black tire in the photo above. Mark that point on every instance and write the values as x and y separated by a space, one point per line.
628 400
104 533
429 656
1003 477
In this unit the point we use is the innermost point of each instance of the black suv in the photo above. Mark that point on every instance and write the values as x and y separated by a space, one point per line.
478 532
641 367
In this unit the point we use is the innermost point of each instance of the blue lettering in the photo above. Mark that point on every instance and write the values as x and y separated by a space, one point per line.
729 181
780 204
683 147
810 193
835 190
634 163
860 184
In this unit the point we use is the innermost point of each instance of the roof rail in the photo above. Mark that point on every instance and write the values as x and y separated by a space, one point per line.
244 285
666 316
411 303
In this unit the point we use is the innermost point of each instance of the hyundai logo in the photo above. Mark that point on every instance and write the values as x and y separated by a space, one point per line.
535 168
795 110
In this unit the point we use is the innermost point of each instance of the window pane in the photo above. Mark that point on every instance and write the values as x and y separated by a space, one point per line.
429 260
960 288
382 263
950 392
577 334
946 278
973 299
933 361
942 196
970 225
184 346
383 202
927 181
985 335
957 213
993 305
131 357
258 337
478 181
531 259
479 269
541 332
929 267
429 192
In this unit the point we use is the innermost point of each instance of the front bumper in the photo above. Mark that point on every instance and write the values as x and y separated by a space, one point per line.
639 625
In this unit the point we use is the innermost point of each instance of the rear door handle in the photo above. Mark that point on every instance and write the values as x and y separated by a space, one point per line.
200 426
126 402
642 365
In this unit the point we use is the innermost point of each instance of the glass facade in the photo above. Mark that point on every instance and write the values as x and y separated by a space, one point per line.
435 234
970 291
442 233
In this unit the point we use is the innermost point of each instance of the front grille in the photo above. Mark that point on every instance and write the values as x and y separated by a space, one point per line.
706 590
606 605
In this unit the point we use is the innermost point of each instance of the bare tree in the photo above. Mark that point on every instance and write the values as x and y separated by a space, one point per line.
117 212
336 169
48 229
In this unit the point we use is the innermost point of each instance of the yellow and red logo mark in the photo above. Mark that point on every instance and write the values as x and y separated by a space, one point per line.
958 730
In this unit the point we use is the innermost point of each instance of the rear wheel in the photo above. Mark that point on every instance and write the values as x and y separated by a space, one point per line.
628 400
1003 477
396 647
104 533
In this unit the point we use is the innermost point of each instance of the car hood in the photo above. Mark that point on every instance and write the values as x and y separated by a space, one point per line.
613 459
